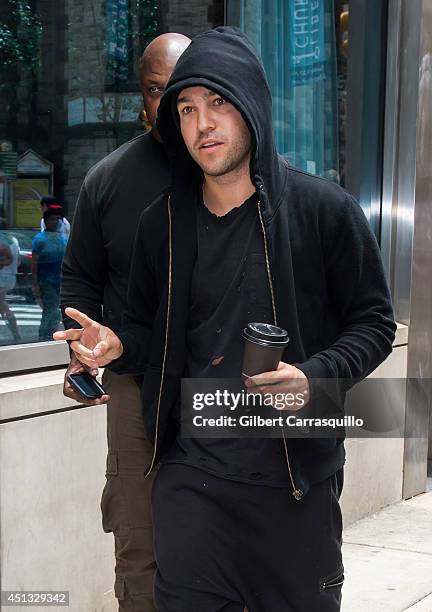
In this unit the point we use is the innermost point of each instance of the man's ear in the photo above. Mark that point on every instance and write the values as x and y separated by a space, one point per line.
144 120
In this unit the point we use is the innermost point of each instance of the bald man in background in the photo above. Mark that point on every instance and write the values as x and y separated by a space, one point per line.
95 277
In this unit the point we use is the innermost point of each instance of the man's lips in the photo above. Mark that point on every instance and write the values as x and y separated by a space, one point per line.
210 146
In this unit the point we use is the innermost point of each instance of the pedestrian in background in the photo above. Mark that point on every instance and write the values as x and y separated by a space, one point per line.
52 203
48 248
9 263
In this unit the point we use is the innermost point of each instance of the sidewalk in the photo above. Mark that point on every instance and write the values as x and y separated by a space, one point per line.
388 560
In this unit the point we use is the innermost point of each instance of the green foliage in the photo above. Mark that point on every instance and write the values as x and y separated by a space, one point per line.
20 37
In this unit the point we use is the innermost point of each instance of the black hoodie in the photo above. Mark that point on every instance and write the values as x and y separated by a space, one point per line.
325 270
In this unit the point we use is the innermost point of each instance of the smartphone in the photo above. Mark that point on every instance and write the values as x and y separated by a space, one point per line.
86 385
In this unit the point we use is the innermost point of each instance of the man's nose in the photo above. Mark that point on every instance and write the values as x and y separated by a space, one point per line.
206 121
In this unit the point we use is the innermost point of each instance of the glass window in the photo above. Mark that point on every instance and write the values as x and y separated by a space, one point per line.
69 95
325 63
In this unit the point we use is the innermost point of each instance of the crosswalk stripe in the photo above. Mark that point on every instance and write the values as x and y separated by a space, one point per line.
21 323
26 316
21 310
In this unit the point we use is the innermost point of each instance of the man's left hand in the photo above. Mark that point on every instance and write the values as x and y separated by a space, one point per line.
287 380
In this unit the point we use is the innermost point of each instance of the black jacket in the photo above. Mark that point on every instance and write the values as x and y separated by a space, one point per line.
325 270
112 198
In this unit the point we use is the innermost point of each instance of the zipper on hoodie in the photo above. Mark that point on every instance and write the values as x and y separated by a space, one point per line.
166 332
297 493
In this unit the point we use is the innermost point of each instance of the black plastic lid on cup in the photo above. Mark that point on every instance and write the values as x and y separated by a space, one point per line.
266 334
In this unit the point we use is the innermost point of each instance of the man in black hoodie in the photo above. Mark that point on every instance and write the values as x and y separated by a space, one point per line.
239 523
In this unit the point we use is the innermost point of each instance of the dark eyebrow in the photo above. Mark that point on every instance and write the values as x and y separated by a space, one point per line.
183 99
208 94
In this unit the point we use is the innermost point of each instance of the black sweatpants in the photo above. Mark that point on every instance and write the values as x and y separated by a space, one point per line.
223 545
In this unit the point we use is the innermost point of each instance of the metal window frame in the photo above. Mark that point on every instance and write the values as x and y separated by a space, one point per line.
417 236
366 83
388 197
400 151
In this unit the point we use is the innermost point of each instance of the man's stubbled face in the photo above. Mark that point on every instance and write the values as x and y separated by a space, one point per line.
214 131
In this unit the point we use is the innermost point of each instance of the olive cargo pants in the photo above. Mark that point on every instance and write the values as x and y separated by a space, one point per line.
126 499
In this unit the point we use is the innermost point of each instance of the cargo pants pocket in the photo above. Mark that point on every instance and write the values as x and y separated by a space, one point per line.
333 581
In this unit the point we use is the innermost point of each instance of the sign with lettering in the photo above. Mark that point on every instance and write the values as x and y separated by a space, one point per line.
117 38
27 195
307 41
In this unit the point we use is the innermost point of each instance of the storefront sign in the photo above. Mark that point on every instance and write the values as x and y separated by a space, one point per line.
307 41
27 195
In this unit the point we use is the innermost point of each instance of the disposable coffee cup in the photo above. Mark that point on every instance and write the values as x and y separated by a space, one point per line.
263 348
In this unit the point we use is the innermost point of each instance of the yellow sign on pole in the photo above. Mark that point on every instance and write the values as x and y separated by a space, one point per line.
27 195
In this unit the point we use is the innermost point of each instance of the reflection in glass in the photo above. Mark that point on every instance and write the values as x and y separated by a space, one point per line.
30 264
299 47
9 263
69 95
48 248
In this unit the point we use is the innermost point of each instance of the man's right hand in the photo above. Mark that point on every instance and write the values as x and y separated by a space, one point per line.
94 345
75 367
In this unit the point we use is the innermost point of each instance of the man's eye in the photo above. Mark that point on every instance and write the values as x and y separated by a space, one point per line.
186 110
154 89
219 101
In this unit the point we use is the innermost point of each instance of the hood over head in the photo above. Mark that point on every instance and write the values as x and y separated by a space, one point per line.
225 61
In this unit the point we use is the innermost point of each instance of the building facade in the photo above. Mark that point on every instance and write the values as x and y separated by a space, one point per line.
350 81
